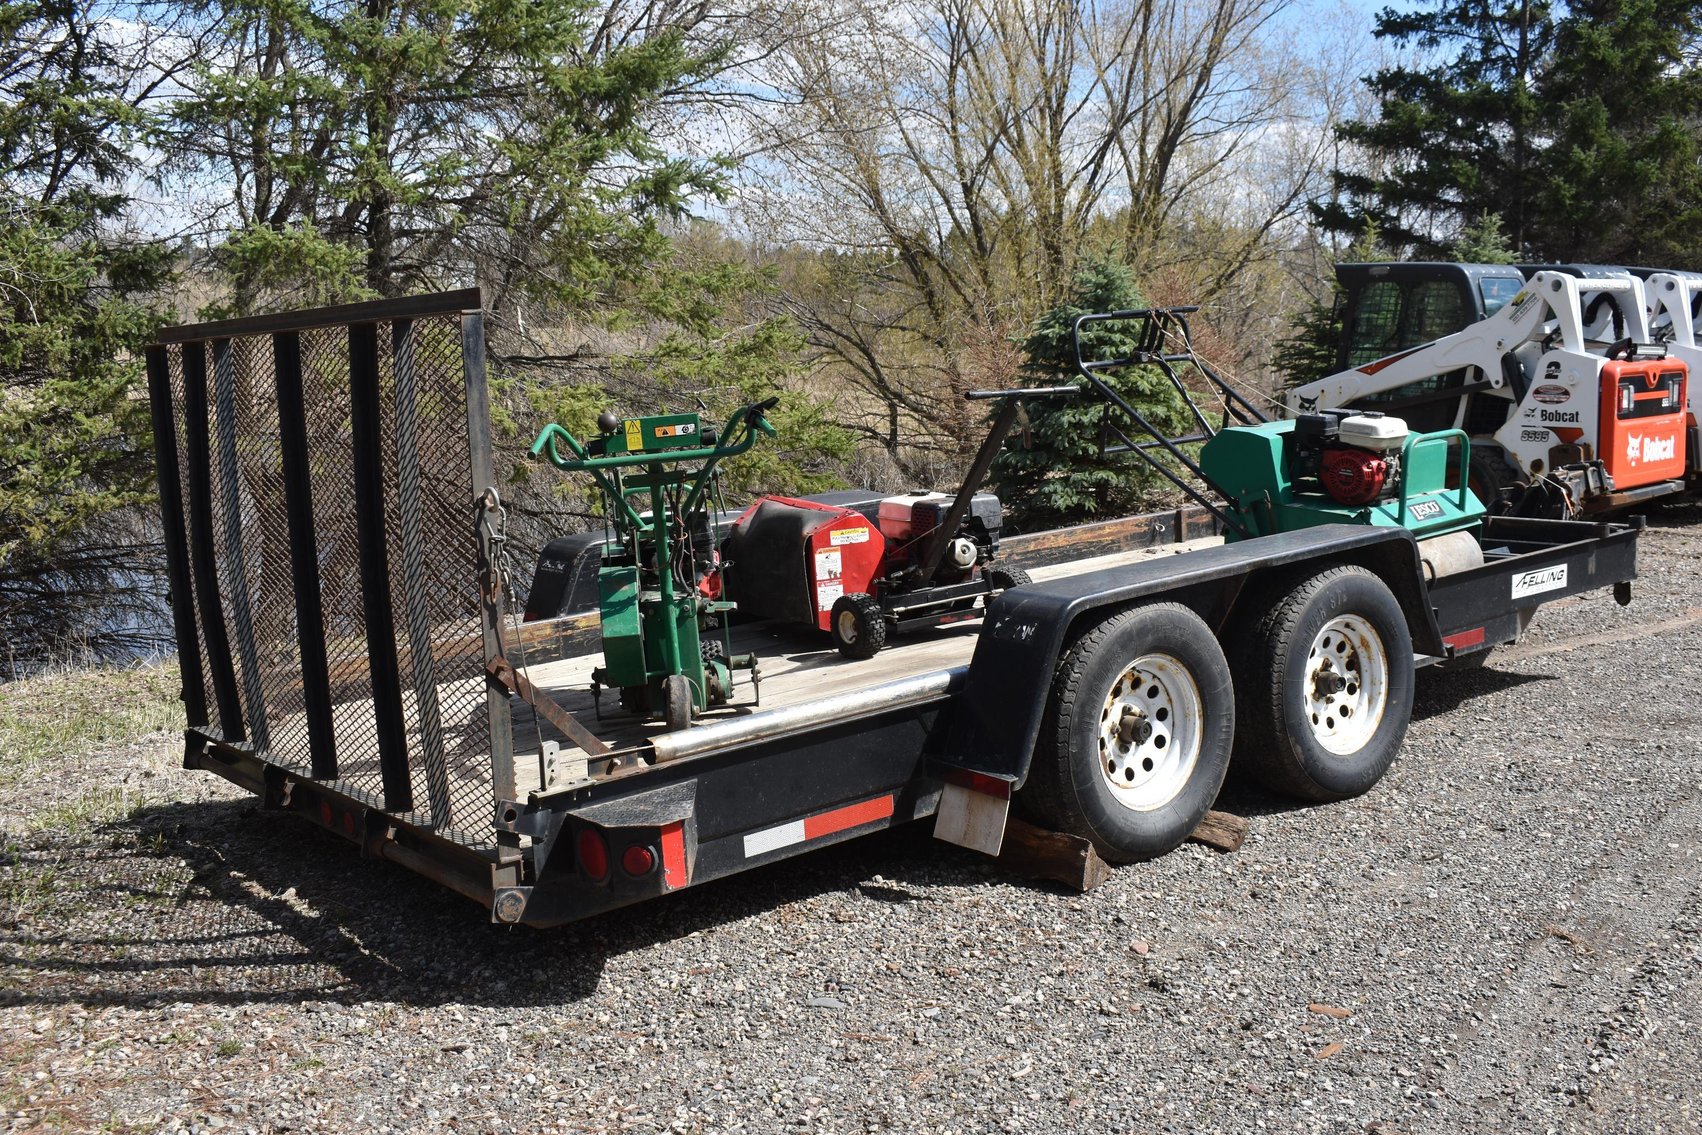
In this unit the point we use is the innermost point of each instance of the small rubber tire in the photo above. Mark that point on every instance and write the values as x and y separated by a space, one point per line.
1134 800
1345 625
1003 579
1488 475
677 702
858 625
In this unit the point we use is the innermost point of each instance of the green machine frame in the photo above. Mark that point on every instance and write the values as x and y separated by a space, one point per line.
653 615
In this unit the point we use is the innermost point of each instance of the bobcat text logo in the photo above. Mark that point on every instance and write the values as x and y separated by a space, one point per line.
1640 448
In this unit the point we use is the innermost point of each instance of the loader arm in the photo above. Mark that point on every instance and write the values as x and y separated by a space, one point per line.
1550 303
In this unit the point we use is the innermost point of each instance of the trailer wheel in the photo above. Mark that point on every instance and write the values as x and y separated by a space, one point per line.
1326 686
1137 734
858 625
676 691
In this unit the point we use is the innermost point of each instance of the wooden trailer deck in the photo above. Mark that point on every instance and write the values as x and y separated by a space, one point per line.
804 681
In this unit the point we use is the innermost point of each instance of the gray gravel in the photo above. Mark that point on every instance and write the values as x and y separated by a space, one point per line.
1503 936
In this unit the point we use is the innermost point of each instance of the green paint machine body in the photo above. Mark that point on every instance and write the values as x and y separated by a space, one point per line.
664 631
1343 468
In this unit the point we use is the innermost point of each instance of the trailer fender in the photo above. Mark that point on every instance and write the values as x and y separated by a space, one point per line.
994 723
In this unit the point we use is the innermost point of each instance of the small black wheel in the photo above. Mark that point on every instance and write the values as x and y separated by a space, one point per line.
1325 687
712 650
858 625
676 691
635 699
1003 579
1137 734
1488 475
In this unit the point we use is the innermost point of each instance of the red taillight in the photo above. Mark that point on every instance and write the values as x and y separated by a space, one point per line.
593 854
638 860
1351 475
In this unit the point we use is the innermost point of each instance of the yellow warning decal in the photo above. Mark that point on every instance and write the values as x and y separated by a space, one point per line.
634 435
849 536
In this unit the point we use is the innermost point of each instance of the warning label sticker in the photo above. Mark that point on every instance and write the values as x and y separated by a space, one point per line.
849 536
828 593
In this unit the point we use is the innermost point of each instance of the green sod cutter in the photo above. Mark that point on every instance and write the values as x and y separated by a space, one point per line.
665 642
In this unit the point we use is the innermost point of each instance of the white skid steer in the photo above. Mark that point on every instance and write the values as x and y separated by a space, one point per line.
1591 424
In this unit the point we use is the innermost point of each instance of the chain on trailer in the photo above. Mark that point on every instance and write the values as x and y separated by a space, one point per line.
509 666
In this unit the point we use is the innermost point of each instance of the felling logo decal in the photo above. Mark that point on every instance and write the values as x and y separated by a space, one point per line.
1551 394
1640 448
1538 581
1425 510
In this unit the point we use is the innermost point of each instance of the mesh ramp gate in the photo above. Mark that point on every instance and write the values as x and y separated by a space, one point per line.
319 477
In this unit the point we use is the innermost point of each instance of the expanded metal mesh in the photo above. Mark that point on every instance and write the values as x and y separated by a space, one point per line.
429 542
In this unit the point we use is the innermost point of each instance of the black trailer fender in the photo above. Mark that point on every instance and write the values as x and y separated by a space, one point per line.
990 737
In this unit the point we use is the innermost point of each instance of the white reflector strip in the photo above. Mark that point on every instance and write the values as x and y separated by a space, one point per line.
760 843
822 824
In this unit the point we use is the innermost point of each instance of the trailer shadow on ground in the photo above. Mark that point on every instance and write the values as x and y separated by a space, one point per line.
221 903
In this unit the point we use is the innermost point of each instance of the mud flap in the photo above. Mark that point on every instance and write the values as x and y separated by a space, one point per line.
973 809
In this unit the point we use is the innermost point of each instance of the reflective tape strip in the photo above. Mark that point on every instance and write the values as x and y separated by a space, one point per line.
1465 638
815 827
674 856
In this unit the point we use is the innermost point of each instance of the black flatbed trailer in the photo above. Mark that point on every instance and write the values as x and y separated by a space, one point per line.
338 583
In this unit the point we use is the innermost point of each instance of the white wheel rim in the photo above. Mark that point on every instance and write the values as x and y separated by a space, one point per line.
847 626
1150 732
1346 684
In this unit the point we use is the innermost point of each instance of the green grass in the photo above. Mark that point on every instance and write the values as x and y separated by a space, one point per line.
79 710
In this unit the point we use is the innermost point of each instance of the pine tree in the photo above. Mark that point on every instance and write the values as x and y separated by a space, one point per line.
74 440
1054 474
1455 138
1621 103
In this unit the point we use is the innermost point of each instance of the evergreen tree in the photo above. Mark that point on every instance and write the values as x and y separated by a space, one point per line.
1054 474
74 440
1455 138
1484 242
1621 103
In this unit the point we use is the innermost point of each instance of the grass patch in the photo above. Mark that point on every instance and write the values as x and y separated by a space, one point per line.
77 710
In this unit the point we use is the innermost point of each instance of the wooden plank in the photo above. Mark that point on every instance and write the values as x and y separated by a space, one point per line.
1222 830
1036 853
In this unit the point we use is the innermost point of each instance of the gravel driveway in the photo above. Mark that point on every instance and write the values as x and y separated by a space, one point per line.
1502 937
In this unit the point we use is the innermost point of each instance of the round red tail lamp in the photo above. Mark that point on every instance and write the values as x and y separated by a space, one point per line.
638 860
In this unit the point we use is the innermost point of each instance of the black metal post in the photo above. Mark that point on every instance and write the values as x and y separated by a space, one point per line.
203 565
365 421
194 691
304 554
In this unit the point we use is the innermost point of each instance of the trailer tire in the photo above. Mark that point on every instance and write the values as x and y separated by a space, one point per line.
1137 733
677 707
1337 642
858 625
